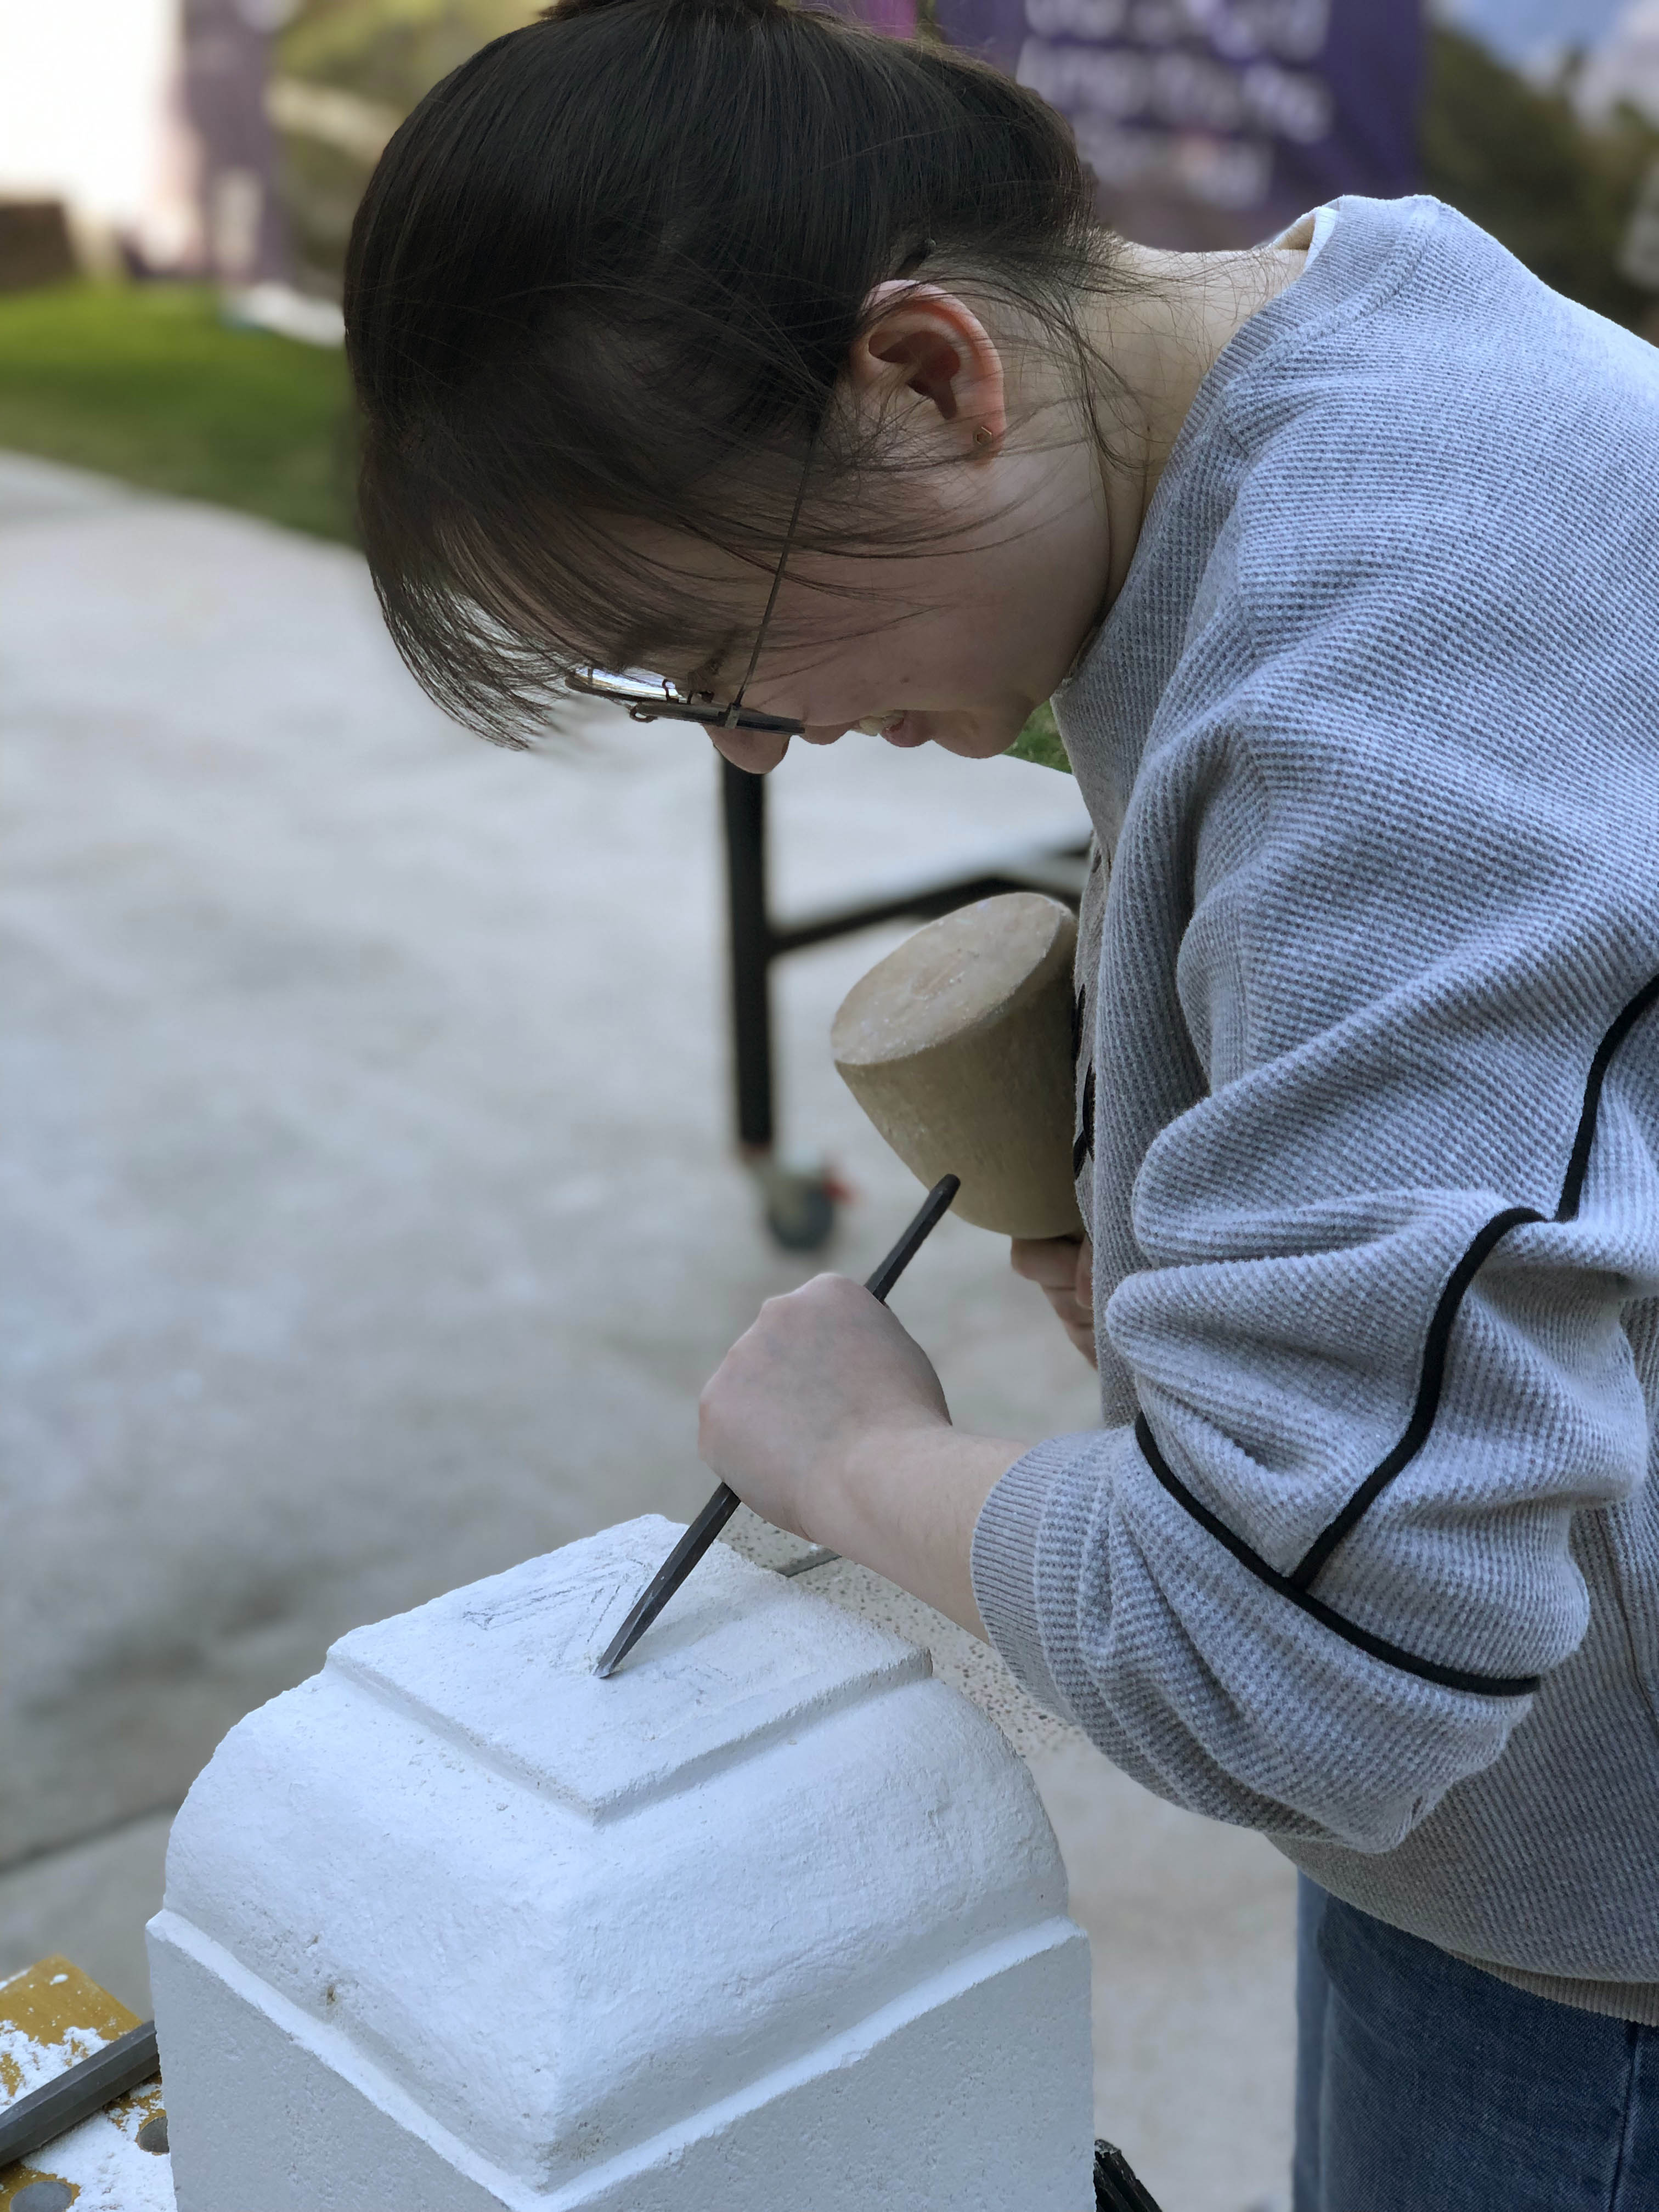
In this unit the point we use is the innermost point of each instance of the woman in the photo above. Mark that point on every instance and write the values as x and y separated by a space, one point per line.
719 339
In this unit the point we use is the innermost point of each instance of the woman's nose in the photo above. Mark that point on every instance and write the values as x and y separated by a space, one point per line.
755 751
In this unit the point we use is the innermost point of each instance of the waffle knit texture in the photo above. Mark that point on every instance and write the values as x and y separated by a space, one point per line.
1371 737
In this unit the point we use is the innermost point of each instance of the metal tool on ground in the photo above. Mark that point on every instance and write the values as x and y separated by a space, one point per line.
52 2110
80 2091
960 1046
725 1502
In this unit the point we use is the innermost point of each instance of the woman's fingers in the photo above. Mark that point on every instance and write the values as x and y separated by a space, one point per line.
823 1368
1050 1261
1063 1267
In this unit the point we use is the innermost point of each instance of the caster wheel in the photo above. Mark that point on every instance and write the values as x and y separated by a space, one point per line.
800 1213
800 1200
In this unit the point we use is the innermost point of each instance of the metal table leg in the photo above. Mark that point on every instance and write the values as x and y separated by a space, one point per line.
800 1200
743 804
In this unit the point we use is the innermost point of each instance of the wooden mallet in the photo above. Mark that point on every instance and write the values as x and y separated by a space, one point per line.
958 1046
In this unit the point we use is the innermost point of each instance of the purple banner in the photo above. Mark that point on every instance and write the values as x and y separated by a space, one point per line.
896 18
1214 123
226 45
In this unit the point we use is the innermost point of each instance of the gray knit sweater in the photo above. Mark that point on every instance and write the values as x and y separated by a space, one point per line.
1365 1555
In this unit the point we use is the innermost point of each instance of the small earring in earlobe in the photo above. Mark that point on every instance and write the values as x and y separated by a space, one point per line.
985 435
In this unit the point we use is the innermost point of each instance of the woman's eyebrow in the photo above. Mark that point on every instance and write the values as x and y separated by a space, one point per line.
706 675
643 650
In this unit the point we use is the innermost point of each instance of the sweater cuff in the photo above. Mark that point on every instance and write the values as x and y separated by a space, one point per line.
1003 1562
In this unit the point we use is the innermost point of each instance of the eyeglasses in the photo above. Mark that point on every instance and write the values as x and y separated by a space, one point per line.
654 699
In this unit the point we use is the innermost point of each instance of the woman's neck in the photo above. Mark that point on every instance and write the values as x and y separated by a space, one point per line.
1162 342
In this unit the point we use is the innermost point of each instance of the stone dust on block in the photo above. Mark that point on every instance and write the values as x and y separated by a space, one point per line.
959 1658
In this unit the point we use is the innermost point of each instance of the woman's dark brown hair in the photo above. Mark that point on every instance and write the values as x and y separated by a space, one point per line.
600 291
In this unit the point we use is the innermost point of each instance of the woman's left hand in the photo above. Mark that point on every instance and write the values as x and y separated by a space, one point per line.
825 1375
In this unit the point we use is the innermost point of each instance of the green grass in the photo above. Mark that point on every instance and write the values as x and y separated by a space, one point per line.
144 381
1039 742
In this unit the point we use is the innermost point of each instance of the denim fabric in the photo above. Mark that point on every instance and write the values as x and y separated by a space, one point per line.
1424 2085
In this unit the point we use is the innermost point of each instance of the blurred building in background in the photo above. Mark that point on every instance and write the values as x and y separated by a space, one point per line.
141 131
241 234
146 120
87 110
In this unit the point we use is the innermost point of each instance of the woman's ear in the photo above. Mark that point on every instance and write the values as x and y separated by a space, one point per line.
923 340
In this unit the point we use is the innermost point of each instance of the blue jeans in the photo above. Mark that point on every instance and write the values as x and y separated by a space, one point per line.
1424 2085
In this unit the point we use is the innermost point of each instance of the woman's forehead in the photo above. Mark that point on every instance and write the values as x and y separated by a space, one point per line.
681 599
692 606
686 559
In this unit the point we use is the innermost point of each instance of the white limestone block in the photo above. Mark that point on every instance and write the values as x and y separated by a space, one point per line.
770 1921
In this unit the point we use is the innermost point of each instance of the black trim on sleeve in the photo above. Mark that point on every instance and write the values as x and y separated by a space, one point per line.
1084 1149
1296 1585
1572 1185
1449 1678
1433 1376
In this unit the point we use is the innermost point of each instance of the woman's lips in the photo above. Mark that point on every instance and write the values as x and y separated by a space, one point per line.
897 729
901 731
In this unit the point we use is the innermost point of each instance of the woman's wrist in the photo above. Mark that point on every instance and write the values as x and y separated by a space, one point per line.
904 1501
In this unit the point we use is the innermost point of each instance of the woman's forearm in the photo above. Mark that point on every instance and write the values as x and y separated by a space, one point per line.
904 1502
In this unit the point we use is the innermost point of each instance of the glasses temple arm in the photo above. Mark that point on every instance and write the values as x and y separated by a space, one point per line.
728 720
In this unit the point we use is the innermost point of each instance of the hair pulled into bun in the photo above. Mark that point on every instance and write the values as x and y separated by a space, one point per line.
600 293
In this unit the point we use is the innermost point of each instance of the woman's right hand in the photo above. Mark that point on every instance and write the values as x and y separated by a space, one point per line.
1064 1269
